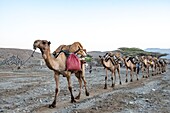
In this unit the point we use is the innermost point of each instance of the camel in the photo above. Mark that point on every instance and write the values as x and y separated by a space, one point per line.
145 66
112 65
76 48
152 62
131 63
58 65
162 65
147 62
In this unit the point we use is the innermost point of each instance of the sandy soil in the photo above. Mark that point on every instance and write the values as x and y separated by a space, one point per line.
33 90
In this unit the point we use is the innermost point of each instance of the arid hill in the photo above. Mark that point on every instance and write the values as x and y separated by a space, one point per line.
10 57
21 53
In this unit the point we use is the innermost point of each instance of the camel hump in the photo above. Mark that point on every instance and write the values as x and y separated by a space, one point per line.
61 47
75 47
78 43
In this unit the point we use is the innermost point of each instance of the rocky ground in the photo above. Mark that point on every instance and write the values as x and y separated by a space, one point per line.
32 90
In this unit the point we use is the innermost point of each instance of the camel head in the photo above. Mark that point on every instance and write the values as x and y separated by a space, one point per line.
43 45
78 49
82 52
111 54
105 57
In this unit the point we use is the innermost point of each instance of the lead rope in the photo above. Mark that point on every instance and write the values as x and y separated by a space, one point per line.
19 67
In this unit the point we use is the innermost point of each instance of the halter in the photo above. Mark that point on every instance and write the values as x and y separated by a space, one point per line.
27 59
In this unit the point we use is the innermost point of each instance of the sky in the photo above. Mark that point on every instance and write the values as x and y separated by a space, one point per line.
100 25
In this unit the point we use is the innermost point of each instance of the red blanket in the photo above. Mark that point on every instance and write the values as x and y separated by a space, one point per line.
73 63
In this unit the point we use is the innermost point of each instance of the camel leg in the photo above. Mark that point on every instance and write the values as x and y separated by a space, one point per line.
82 74
85 86
113 75
131 75
155 71
158 71
137 77
152 71
56 76
118 70
105 87
137 71
126 74
80 83
147 72
143 72
70 89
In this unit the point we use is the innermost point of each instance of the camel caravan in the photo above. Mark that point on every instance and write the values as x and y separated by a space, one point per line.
70 59
134 64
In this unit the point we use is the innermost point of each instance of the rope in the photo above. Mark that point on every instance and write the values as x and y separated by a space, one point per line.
19 67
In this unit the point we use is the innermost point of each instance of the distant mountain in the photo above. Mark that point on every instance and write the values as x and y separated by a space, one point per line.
159 50
95 54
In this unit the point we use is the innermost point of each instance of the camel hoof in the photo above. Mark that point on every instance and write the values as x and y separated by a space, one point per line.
105 87
113 85
73 101
87 93
77 97
52 106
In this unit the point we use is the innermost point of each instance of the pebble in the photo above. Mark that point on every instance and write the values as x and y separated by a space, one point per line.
153 89
1 110
96 108
147 100
131 102
40 101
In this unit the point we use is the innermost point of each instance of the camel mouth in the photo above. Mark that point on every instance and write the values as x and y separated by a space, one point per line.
54 54
34 47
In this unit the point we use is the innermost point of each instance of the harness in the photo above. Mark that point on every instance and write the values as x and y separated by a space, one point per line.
131 59
114 62
66 52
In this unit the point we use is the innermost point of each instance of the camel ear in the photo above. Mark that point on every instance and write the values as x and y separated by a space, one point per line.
49 43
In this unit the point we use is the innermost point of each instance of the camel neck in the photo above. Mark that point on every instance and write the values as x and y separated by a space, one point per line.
48 59
106 64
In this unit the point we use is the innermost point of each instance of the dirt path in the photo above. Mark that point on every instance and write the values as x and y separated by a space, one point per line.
24 91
